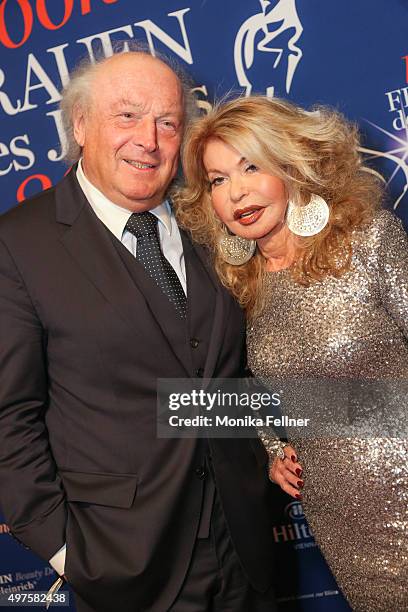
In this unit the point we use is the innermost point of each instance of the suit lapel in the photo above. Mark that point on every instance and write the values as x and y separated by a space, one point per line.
91 245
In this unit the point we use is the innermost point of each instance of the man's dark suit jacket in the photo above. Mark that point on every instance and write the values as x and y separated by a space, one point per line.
85 333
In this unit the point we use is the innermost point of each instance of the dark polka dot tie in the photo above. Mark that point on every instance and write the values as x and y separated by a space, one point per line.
148 253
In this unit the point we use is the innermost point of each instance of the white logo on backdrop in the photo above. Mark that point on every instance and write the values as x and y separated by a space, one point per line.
398 155
277 25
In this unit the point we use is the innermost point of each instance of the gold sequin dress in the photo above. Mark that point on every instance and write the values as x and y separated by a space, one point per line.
354 328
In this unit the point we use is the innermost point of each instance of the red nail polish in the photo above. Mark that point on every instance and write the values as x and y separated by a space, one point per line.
300 483
293 457
298 496
298 472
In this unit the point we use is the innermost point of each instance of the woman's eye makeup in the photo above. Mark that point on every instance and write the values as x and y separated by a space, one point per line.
216 180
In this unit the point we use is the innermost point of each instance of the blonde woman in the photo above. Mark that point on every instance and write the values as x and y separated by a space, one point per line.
294 223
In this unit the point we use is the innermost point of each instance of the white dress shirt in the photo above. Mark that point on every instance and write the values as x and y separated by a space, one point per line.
115 218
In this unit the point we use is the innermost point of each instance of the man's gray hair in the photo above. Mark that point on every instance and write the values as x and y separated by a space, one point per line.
78 92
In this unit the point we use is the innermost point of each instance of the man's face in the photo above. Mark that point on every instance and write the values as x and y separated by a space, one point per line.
131 134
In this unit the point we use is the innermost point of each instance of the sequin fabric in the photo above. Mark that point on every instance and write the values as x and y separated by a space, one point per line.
354 328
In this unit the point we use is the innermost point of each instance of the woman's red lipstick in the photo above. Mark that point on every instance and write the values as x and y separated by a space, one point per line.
248 215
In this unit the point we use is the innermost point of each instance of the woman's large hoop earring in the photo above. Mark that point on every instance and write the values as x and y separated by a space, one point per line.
235 250
310 219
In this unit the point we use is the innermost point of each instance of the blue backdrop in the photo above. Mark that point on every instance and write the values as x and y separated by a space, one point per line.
351 54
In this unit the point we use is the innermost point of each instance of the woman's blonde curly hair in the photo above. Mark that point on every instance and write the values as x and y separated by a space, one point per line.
312 152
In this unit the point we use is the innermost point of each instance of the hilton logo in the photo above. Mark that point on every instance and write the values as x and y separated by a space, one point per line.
295 531
294 511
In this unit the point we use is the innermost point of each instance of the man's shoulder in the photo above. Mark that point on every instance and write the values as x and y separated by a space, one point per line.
30 215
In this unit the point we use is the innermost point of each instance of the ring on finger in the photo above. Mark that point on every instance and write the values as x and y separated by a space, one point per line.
280 453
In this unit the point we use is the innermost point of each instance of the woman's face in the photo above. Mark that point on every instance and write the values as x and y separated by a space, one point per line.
250 202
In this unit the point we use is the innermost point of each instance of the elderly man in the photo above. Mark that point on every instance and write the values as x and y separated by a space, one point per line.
101 294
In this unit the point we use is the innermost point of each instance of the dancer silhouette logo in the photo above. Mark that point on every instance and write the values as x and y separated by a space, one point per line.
275 30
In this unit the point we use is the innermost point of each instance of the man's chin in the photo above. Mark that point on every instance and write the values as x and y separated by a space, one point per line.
138 202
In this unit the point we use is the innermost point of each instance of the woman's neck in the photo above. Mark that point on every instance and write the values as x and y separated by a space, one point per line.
279 249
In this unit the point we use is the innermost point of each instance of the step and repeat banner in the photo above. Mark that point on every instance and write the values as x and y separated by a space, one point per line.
352 55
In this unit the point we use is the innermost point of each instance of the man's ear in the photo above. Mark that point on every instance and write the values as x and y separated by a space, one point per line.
78 122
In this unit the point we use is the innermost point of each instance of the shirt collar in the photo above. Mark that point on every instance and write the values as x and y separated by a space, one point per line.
113 216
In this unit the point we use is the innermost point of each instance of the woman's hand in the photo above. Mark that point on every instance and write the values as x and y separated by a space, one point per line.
287 472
